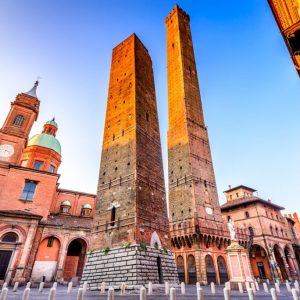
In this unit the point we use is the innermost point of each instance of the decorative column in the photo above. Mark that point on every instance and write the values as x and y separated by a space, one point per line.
62 258
287 267
272 260
19 276
238 264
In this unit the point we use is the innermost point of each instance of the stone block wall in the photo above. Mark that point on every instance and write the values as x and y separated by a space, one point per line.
129 265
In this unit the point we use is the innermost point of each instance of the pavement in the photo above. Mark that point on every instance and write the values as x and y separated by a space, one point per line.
158 294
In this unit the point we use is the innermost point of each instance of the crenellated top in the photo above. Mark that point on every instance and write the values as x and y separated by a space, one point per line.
177 10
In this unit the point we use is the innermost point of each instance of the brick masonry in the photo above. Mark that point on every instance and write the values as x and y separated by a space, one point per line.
130 265
131 200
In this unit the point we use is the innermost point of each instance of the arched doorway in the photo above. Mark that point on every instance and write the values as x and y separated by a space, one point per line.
279 262
259 262
8 242
159 269
180 268
75 259
192 269
45 264
210 269
222 270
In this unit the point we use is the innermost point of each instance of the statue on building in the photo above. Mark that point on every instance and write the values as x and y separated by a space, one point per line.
231 228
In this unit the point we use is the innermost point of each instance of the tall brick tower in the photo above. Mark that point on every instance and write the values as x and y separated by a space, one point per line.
131 234
198 231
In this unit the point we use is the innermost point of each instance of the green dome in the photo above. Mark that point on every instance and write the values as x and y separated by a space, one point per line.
66 203
87 206
52 122
45 140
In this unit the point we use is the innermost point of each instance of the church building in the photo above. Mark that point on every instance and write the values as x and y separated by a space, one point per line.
44 230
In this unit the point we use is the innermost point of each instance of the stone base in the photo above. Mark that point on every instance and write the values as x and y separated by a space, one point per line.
129 265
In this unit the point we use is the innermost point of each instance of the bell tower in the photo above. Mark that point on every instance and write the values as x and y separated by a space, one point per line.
16 128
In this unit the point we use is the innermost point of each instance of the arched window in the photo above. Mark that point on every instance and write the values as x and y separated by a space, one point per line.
276 229
10 238
50 241
180 268
251 231
18 121
271 229
113 216
247 215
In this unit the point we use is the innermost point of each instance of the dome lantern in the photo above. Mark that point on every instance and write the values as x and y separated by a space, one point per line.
47 138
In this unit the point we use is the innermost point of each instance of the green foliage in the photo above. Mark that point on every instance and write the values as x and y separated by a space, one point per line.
127 245
164 249
106 250
142 246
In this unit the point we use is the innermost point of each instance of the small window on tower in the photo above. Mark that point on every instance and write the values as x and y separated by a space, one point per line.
50 241
147 116
18 121
113 216
38 164
51 169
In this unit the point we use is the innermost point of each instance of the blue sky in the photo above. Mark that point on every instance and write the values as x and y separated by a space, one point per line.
250 90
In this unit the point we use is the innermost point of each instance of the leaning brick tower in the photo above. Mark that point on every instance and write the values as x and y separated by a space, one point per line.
199 235
131 237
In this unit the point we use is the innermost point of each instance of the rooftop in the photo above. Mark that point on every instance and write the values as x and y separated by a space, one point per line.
239 187
248 200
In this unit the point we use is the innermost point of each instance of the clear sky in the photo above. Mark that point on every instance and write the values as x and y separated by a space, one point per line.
250 90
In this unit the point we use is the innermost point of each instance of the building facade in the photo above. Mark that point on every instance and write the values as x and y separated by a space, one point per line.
44 230
199 234
287 16
271 250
